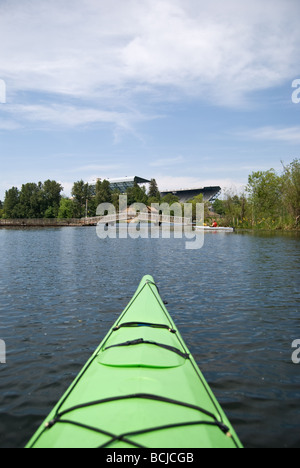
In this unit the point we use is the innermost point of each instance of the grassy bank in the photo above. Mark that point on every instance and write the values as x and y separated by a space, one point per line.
271 201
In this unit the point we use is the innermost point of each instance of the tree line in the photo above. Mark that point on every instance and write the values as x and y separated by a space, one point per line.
270 201
45 200
41 200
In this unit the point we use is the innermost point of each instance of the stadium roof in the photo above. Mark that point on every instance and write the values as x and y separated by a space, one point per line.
124 183
184 195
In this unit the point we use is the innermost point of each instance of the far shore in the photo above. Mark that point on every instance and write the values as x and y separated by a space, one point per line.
85 222
47 222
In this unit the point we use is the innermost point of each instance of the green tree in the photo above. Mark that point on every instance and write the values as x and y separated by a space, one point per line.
236 209
169 205
66 209
219 207
51 196
82 193
11 202
265 190
170 199
154 194
291 190
199 199
137 194
103 192
31 201
115 198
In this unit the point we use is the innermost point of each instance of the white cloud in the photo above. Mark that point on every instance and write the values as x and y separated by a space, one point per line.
61 116
166 183
177 182
167 162
285 134
68 115
6 124
99 167
109 51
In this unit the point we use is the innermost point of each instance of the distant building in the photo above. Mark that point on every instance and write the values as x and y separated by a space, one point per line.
125 183
209 193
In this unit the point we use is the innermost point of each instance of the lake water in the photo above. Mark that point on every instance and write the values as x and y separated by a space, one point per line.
236 302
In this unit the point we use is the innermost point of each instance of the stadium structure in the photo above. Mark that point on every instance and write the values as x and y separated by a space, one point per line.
184 195
209 193
122 184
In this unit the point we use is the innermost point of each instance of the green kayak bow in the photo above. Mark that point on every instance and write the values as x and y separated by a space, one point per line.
141 388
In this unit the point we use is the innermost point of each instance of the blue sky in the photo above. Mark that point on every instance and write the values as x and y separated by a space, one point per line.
189 92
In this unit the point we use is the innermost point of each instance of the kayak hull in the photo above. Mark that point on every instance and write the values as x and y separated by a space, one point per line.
216 229
141 388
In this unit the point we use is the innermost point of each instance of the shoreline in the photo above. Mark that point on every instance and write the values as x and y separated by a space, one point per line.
47 222
89 222
267 230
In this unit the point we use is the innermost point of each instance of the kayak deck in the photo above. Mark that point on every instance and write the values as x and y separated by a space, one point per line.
141 388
